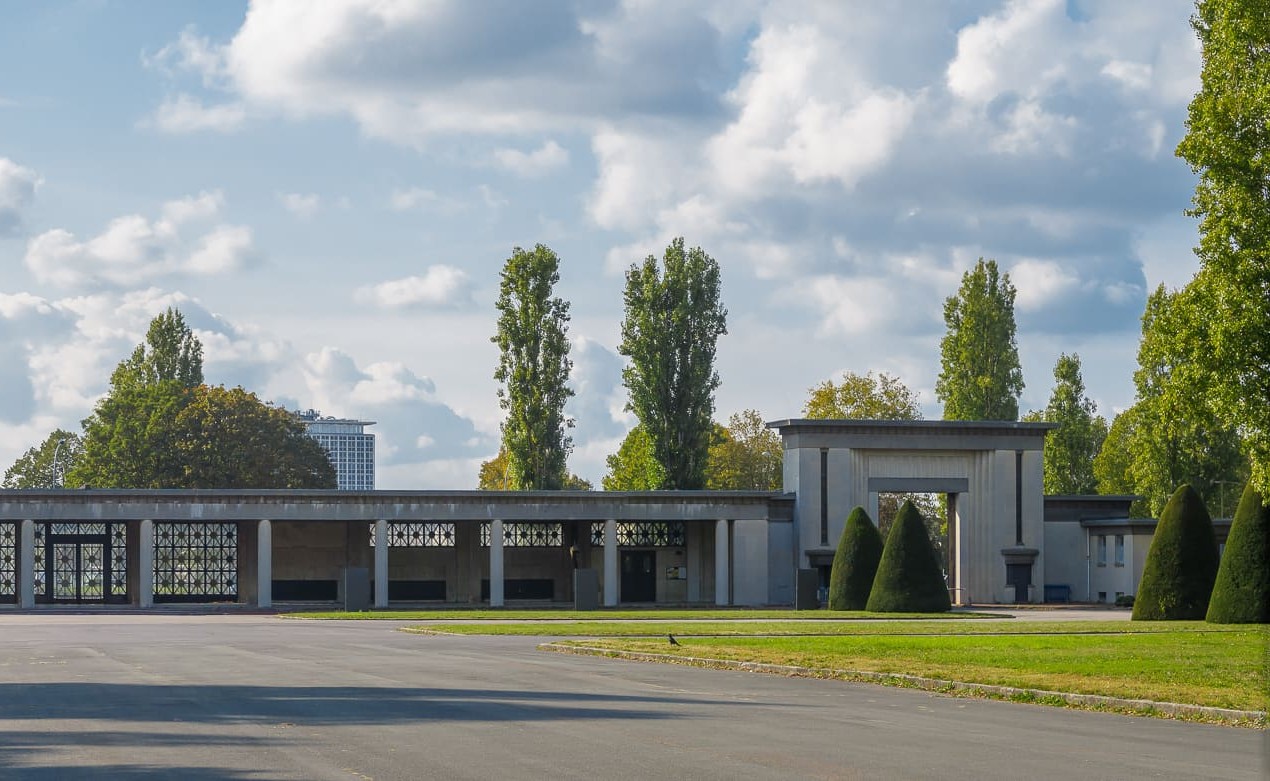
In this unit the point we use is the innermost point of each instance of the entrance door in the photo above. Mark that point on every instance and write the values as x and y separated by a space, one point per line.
85 563
639 576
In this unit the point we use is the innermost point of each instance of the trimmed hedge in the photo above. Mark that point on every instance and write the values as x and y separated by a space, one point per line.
1181 564
855 563
909 579
1241 594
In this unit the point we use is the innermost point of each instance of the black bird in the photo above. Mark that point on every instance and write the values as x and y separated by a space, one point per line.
672 639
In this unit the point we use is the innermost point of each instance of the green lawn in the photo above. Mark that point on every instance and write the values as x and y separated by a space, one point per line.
650 614
1167 662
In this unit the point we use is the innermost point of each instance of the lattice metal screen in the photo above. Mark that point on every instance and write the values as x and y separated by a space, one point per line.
643 534
527 535
38 574
417 535
194 561
8 561
118 558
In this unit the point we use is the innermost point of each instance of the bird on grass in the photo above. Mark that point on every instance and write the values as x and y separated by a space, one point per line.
672 639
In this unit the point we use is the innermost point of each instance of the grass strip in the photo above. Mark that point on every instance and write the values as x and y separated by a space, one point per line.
459 614
753 628
1220 669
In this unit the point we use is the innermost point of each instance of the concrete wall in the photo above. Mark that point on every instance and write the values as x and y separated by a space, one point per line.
310 551
749 563
1065 562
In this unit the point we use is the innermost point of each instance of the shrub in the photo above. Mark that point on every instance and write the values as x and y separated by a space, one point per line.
1181 564
1124 600
909 578
855 563
1241 594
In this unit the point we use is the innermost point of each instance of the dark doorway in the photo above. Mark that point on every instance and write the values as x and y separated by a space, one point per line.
1019 576
84 562
639 576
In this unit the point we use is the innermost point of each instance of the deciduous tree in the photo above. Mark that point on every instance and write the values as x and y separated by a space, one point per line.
1071 448
980 377
1228 133
533 370
634 467
674 318
45 465
747 456
863 397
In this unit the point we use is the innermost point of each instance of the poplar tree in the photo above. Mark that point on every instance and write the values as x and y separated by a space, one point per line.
533 370
674 318
980 377
1228 133
1071 448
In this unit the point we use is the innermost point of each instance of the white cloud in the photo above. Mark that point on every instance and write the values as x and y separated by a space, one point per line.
439 286
540 161
17 192
302 205
422 199
1041 283
186 114
134 250
193 53
1133 75
1018 50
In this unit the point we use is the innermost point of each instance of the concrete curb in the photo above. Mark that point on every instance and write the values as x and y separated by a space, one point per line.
1094 701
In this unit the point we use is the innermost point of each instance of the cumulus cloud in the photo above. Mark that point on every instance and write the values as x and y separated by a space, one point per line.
439 286
302 205
415 431
186 114
134 250
17 192
542 160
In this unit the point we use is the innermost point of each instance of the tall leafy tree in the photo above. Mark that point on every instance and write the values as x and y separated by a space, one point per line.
1071 448
1228 133
170 353
1172 434
494 476
45 465
533 370
980 377
863 397
747 455
674 318
228 438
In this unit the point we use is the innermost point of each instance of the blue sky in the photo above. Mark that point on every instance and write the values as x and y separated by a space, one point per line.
328 191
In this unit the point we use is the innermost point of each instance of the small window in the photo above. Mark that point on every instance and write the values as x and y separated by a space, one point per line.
1119 550
1102 550
1102 596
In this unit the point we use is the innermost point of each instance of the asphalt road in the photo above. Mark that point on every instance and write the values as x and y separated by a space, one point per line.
255 697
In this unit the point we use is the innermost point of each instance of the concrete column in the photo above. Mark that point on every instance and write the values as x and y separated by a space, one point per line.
496 563
145 565
26 565
381 563
610 563
264 564
722 581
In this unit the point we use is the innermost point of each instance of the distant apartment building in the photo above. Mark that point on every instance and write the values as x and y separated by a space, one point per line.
351 449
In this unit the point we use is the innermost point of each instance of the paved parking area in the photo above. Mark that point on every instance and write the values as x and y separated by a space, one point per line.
115 696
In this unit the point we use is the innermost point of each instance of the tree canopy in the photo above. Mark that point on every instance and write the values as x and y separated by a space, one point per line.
980 377
533 370
863 397
45 465
674 318
1071 448
494 476
634 467
160 427
1171 435
1228 133
747 455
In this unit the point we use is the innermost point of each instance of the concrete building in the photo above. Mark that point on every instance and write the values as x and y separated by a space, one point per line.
351 449
1007 542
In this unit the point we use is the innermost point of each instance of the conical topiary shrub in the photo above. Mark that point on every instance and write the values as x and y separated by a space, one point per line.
1181 564
1241 594
855 563
909 578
